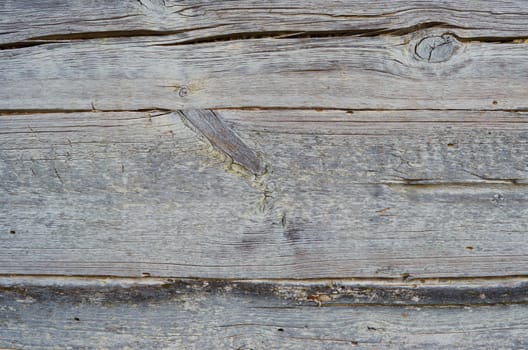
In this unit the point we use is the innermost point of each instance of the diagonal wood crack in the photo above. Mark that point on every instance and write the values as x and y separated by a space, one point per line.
209 124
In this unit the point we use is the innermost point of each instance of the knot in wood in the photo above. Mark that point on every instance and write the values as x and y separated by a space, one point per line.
435 48
183 91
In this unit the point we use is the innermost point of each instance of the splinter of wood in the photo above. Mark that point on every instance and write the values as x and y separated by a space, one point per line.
211 126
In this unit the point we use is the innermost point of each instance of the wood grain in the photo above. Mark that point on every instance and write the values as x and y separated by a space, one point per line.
385 194
246 175
377 72
196 315
47 20
208 124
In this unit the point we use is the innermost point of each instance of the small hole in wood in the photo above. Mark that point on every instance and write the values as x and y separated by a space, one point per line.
12 232
469 247
280 329
145 274
451 144
494 102
76 318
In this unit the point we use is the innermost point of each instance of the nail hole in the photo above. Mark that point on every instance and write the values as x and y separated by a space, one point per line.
469 247
280 329
494 102
76 318
145 274
451 144
12 232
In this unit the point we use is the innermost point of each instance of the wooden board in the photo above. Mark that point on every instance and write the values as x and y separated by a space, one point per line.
26 21
368 194
247 175
199 314
340 72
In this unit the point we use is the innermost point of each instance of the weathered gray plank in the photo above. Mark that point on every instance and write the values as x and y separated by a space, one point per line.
220 315
341 72
384 194
195 20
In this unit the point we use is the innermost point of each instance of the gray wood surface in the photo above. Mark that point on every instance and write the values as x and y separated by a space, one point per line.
247 175
335 72
368 194
209 315
51 20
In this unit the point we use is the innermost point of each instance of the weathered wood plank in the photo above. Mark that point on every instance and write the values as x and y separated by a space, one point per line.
194 20
384 194
194 314
341 72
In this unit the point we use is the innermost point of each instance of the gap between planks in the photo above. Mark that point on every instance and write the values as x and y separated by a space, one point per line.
21 111
404 291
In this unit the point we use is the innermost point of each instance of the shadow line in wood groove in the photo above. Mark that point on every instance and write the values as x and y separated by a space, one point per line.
7 112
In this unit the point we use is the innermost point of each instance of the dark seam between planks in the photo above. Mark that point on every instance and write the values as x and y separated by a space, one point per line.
405 278
324 293
6 112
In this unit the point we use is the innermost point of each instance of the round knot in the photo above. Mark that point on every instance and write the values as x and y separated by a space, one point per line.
435 48
183 91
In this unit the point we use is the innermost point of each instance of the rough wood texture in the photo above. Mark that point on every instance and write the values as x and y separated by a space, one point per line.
340 72
46 20
346 195
366 157
195 315
212 127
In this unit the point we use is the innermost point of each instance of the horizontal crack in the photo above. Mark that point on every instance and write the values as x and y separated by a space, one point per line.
292 34
107 34
283 34
427 183
6 112
323 108
23 44
57 38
